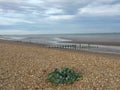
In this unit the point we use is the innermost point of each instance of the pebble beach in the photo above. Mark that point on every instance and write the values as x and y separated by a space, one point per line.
25 66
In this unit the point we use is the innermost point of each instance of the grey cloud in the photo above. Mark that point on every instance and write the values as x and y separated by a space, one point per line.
19 7
7 6
42 8
69 6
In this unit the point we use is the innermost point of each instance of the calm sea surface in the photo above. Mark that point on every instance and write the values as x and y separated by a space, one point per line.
59 37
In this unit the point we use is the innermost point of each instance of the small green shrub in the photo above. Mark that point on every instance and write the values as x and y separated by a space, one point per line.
63 76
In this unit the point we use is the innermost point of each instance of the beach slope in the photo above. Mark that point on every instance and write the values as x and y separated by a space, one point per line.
25 67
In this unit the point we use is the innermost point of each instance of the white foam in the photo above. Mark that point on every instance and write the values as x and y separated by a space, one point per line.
61 39
16 38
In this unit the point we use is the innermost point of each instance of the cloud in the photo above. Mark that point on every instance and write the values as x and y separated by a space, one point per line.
54 11
12 21
53 8
44 13
10 32
101 10
60 17
41 5
24 32
18 32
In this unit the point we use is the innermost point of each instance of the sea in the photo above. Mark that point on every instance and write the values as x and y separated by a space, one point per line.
64 39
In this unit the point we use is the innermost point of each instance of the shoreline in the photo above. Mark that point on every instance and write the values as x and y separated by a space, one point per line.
96 43
109 55
46 46
59 49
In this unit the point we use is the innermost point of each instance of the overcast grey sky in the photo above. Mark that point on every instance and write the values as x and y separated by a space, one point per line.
59 16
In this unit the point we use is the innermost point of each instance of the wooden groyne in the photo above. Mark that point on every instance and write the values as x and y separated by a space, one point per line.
72 46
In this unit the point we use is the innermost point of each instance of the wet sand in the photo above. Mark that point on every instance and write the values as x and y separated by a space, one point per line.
96 43
25 66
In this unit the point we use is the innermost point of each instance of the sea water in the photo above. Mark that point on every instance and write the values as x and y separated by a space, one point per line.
63 38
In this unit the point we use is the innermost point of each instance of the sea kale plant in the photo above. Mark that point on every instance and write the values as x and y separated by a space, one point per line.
63 76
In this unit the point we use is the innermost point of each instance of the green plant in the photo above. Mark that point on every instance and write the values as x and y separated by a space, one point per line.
63 76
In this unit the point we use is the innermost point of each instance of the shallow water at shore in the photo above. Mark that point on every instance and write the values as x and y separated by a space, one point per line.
72 39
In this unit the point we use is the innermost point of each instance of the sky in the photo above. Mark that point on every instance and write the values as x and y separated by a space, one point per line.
59 16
